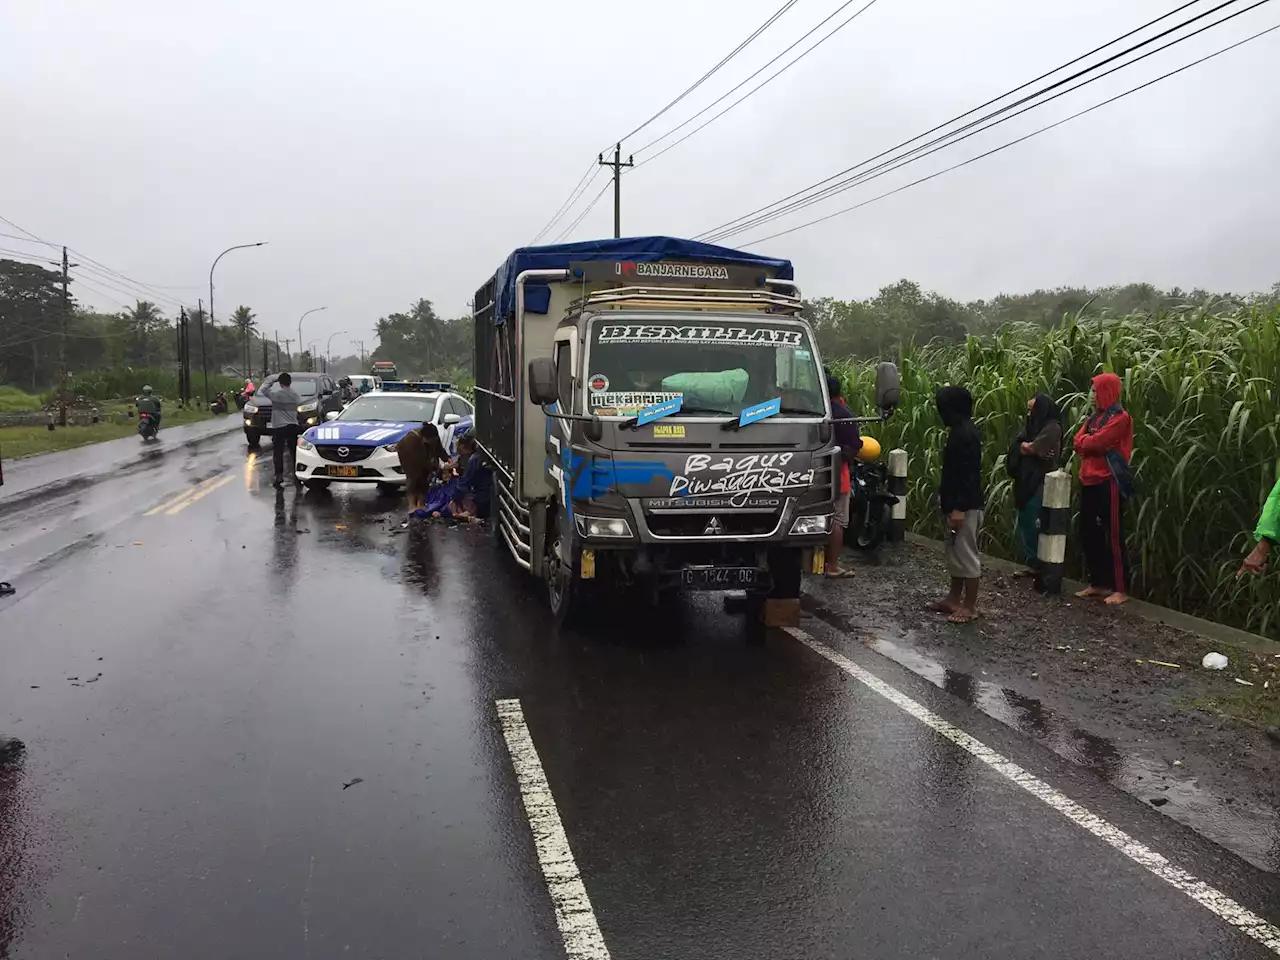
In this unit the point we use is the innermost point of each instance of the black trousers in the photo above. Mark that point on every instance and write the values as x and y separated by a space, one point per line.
284 438
1102 533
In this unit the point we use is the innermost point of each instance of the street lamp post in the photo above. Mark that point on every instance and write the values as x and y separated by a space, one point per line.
204 367
328 348
303 317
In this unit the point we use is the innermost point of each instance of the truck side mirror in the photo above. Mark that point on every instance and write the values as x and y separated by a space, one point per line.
888 386
543 389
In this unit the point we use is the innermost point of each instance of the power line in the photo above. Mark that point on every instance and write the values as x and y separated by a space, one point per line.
780 207
710 73
582 216
1022 139
593 171
757 73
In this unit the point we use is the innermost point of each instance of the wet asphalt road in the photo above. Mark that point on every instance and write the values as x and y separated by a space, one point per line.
196 684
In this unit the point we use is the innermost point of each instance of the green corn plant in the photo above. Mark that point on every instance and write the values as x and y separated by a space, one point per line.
1199 383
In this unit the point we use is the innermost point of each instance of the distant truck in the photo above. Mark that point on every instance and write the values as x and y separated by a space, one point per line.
384 369
657 419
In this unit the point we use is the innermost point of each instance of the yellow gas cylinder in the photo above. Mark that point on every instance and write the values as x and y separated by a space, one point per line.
870 450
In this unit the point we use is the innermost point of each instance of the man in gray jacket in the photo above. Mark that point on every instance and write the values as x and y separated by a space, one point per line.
284 426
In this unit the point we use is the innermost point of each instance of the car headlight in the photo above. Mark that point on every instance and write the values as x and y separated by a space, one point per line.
602 527
811 525
311 407
250 408
305 444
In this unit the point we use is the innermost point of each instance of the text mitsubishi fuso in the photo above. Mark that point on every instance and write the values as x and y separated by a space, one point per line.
656 416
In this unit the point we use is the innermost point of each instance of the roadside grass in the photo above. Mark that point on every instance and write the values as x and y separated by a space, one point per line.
19 442
1253 705
14 400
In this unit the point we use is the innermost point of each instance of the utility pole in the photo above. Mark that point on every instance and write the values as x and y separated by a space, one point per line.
360 344
204 363
62 350
277 342
264 355
288 355
617 165
177 326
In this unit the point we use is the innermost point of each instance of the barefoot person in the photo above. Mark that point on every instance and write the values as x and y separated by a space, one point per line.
1033 453
960 498
1267 533
421 455
850 442
1104 445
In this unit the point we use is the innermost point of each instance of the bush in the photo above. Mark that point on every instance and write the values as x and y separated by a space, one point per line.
1206 436
120 383
13 400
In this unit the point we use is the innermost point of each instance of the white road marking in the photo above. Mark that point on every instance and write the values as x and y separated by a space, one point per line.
574 916
1211 899
198 495
174 501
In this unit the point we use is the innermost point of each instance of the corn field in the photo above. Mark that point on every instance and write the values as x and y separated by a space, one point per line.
1199 384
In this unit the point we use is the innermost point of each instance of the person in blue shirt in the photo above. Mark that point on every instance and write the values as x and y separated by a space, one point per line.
474 482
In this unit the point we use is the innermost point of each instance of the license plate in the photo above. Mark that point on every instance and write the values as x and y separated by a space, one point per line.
720 578
343 471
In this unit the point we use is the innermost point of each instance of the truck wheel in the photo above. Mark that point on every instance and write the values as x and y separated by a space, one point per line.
253 437
565 590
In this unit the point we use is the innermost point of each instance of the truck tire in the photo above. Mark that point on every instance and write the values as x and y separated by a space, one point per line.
567 594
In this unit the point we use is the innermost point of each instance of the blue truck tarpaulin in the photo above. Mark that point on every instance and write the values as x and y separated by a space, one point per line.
639 249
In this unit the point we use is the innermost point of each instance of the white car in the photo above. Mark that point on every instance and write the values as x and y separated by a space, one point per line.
358 445
364 383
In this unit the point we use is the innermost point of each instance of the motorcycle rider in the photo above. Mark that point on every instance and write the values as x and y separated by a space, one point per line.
149 404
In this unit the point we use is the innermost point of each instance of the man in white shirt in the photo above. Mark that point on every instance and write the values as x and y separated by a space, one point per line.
284 426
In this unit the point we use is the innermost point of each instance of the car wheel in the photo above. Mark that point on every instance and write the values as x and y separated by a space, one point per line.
253 437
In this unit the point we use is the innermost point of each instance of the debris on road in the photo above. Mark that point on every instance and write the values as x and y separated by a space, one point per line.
1246 683
11 750
1166 663
353 782
1214 661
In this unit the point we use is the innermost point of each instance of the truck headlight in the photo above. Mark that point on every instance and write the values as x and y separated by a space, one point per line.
603 527
305 444
805 526
250 408
311 407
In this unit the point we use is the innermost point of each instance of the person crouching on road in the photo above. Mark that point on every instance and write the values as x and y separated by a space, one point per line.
850 441
1105 446
474 482
1266 533
960 498
284 427
1030 458
421 454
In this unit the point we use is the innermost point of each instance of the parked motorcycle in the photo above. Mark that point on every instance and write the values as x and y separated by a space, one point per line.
218 404
147 428
870 505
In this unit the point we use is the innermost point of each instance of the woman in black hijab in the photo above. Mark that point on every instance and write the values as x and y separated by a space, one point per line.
1033 454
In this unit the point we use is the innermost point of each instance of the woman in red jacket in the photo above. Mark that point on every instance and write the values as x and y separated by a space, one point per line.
1104 446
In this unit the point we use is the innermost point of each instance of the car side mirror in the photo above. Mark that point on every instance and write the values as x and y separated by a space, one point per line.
450 419
331 415
543 389
888 386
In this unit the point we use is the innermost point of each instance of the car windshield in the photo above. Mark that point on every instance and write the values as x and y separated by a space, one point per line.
383 406
716 366
304 388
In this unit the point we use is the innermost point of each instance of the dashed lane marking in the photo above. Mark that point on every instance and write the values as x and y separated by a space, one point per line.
198 495
574 915
1211 899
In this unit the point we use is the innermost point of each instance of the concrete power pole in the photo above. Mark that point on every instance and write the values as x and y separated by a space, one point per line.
62 349
617 165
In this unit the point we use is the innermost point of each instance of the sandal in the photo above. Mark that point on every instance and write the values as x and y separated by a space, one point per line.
6 588
839 574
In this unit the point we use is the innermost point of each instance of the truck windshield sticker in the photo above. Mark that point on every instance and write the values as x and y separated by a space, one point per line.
657 411
760 411
704 474
598 383
662 333
626 403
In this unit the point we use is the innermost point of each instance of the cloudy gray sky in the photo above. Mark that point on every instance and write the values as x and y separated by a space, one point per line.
392 150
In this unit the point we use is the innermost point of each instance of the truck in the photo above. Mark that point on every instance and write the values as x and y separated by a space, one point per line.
384 369
656 416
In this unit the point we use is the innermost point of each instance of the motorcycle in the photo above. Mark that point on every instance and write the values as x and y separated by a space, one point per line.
870 505
147 428
219 404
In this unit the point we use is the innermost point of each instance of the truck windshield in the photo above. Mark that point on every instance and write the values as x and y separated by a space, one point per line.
718 366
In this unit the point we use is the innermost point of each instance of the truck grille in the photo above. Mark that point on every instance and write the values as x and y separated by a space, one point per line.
339 453
696 524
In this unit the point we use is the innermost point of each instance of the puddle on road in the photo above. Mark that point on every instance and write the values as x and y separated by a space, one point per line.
1250 831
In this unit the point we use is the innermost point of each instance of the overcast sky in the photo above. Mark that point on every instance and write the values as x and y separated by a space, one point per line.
395 150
